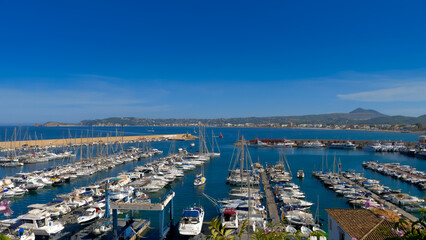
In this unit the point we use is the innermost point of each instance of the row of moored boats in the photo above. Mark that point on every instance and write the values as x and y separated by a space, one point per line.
358 190
404 172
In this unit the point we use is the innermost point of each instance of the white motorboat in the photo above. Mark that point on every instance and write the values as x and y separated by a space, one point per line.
290 229
317 229
375 147
305 231
33 185
300 174
91 215
191 222
229 218
40 224
314 144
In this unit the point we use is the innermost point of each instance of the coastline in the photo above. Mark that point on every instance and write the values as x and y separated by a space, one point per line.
329 129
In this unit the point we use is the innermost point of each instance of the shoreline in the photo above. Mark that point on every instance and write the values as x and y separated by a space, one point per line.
366 130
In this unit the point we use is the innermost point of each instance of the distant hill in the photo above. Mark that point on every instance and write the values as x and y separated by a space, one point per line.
56 124
397 120
357 116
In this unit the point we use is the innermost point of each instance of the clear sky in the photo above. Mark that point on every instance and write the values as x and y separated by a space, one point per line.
73 60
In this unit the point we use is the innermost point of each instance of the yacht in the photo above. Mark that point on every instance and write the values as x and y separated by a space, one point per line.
33 185
375 147
229 218
300 174
191 222
40 224
91 215
348 145
314 144
257 143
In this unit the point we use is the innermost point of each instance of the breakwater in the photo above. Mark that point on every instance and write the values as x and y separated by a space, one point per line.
92 140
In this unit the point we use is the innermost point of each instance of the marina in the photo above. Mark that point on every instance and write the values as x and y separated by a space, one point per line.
184 186
224 120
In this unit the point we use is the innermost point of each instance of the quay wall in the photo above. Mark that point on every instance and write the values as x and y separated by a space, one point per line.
93 140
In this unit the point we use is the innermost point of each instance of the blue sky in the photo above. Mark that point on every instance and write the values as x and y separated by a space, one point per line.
69 61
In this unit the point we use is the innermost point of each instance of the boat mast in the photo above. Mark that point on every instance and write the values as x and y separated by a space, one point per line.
288 165
242 158
334 163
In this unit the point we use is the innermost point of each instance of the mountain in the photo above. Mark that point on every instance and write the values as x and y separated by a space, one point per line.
363 114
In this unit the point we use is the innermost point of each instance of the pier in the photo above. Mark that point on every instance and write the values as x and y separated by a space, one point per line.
270 199
93 140
388 204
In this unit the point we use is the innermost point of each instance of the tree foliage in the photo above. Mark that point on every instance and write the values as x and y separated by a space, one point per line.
271 232
405 231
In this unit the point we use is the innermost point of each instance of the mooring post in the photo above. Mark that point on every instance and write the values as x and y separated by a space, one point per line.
161 224
115 223
171 212
131 201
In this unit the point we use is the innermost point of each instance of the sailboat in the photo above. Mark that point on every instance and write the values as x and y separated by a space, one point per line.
200 179
279 173
249 203
214 145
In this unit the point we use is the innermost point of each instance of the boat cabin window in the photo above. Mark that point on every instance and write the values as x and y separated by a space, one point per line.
26 221
229 217
40 223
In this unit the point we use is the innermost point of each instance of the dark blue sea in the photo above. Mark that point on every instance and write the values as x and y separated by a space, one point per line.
216 169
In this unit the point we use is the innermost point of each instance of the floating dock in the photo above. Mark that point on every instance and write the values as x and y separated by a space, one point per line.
93 140
270 200
388 204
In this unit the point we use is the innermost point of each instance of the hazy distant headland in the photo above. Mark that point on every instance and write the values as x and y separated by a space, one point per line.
359 118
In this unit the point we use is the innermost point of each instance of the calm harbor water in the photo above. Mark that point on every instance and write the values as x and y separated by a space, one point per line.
216 169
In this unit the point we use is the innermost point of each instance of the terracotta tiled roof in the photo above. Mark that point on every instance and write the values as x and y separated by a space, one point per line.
381 231
362 224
